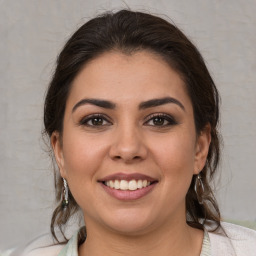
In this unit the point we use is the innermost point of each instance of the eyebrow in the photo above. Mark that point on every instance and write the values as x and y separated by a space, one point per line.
97 102
143 105
159 102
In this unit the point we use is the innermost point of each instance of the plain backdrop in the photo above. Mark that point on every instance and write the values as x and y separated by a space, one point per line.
32 33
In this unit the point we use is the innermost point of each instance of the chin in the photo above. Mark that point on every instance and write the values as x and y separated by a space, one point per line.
129 223
130 229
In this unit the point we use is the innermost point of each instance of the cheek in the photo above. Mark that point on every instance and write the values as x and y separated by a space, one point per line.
82 159
82 156
175 151
175 155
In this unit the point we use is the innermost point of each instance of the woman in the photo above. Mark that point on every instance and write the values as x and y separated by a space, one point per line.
132 115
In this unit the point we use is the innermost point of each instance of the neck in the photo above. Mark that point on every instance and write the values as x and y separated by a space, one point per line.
179 239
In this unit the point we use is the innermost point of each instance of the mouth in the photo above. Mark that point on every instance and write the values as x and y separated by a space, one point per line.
128 186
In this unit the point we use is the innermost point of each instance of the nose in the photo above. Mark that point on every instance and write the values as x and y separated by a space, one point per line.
128 145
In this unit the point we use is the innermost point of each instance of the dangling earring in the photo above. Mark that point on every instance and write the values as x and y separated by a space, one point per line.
65 195
199 188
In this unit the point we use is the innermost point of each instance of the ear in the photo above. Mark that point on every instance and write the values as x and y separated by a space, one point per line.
202 148
58 152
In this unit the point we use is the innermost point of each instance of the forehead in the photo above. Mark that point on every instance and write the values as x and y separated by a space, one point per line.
128 78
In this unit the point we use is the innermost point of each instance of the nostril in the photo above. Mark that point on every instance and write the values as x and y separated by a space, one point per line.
127 158
127 152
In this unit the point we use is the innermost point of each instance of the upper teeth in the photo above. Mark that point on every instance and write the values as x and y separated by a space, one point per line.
127 185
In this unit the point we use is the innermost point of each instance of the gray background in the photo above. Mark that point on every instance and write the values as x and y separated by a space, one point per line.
32 33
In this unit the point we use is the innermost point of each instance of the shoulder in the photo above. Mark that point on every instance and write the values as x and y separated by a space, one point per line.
44 245
239 232
233 240
52 250
41 246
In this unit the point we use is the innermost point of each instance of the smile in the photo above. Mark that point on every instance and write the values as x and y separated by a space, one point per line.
127 185
123 186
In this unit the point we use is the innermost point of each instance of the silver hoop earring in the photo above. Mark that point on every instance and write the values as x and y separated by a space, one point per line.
65 194
199 188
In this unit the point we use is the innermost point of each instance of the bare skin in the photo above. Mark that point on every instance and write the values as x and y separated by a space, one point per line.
112 127
186 241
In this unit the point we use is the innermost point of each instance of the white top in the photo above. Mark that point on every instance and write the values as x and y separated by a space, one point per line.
238 241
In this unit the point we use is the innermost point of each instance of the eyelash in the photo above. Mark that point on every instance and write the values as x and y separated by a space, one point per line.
89 118
165 118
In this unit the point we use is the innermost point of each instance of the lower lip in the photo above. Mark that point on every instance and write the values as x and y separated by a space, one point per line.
128 194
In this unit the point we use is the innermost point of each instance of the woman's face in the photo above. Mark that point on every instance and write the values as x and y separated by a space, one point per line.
129 147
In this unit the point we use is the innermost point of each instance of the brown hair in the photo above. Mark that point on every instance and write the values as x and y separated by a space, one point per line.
127 32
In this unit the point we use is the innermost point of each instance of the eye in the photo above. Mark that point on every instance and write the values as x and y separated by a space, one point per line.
95 120
160 120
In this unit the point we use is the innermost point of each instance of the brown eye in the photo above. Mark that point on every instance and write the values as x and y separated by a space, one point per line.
95 120
160 120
